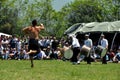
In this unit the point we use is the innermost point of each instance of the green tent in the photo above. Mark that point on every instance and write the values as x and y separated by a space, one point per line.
73 28
107 27
80 27
87 27
94 27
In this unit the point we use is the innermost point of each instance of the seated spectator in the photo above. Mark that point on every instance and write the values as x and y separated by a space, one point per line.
21 55
55 54
1 50
48 52
12 53
116 58
3 54
26 55
40 55
5 42
111 55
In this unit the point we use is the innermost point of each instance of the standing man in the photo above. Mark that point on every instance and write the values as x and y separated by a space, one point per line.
104 44
33 33
88 42
75 45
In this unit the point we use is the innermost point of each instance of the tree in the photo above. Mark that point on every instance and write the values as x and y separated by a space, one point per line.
20 13
83 11
16 14
37 9
8 17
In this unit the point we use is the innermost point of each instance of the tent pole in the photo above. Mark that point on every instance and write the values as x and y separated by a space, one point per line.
113 40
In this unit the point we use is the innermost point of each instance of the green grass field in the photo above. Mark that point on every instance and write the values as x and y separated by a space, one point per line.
57 70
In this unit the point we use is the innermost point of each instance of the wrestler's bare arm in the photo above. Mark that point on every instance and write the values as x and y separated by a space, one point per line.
25 30
41 27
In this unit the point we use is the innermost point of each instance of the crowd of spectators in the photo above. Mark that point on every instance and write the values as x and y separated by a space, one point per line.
12 47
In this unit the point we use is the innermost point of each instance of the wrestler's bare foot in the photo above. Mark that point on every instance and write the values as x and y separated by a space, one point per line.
32 52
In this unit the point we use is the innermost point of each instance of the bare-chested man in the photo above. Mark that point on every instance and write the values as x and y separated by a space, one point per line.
33 33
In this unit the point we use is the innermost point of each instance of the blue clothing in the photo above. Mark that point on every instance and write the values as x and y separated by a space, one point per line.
118 56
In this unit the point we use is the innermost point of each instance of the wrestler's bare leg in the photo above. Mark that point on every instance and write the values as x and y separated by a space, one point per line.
32 52
31 59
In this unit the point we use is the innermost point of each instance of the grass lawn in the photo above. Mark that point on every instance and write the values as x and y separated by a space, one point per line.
57 70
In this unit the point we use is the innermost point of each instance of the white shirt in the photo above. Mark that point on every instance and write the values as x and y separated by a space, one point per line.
5 42
43 54
88 43
75 42
19 44
1 48
118 54
104 43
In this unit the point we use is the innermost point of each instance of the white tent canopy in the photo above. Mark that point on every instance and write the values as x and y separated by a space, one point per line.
87 27
4 34
73 28
107 27
95 27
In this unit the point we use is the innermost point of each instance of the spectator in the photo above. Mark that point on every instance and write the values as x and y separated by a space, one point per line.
26 55
1 50
13 42
40 55
104 44
116 58
111 55
55 44
48 52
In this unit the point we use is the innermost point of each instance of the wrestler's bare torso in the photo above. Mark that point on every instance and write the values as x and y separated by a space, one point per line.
33 32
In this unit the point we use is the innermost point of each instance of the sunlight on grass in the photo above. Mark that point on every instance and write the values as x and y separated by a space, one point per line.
57 70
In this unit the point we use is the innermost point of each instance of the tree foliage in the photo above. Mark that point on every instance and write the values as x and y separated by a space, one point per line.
82 11
8 16
16 14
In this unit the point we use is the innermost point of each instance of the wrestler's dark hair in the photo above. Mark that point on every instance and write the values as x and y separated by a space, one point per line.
34 22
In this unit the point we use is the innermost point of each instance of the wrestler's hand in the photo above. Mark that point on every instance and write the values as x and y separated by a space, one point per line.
41 24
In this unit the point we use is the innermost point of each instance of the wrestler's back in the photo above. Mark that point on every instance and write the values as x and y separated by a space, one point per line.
33 32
